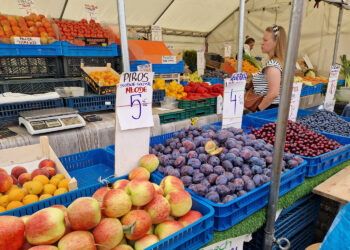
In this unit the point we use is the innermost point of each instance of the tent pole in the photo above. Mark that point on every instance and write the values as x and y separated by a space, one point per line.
240 35
336 44
282 120
63 9
123 36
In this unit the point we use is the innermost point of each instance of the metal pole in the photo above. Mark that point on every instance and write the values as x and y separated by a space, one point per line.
336 44
282 120
240 36
123 36
63 9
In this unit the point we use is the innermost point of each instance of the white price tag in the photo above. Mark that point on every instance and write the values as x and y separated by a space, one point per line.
234 100
168 59
227 49
27 40
27 6
295 100
230 244
145 68
332 86
329 105
134 100
92 12
108 103
156 33
200 62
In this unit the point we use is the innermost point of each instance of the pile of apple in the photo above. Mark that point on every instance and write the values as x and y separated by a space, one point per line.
22 188
131 214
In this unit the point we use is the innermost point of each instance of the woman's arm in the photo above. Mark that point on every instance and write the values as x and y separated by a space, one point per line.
273 76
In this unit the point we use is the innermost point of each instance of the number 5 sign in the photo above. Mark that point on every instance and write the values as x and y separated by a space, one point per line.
134 100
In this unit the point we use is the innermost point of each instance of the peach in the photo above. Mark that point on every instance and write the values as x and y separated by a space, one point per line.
50 170
120 184
158 189
77 240
45 226
146 241
180 202
141 191
17 171
84 213
40 171
100 193
44 247
5 182
14 180
139 173
123 247
142 222
47 163
108 233
149 162
158 208
189 218
23 178
12 232
3 171
116 203
171 183
167 228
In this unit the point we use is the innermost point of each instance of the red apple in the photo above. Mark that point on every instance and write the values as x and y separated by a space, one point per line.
141 191
15 181
40 171
142 221
139 173
47 163
11 232
120 184
146 241
189 218
116 203
52 171
167 228
108 233
77 240
158 208
100 193
17 171
5 182
84 213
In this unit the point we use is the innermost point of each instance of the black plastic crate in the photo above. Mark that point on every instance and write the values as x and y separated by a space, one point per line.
71 65
91 103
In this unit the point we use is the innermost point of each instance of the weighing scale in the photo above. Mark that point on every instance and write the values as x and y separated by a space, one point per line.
50 120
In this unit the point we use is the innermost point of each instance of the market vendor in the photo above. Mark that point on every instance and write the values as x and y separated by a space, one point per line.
248 45
267 82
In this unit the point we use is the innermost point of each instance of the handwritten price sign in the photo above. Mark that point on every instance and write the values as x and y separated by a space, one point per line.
134 100
332 86
156 33
295 100
227 49
234 100
145 68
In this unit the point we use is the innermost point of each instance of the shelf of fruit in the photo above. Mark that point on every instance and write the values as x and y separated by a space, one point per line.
247 67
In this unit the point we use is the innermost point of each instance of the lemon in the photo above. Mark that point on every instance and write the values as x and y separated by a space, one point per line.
13 205
4 200
45 196
30 198
59 176
60 191
16 195
35 187
42 178
49 189
63 184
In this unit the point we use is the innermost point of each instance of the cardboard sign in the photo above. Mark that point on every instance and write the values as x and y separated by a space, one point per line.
230 244
331 88
227 49
234 100
295 100
92 12
145 68
134 100
200 62
156 33
93 41
27 40
168 59
27 6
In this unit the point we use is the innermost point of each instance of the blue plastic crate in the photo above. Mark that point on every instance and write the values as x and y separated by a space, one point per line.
193 236
158 95
312 90
21 50
72 50
160 68
92 103
231 213
89 166
213 80
184 83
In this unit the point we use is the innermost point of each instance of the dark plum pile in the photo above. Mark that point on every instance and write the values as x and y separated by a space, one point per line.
217 74
300 140
240 164
326 121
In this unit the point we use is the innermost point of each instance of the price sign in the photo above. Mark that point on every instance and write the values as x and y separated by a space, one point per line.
200 62
27 40
227 49
92 12
156 33
134 100
295 100
145 68
230 244
27 6
234 100
331 88
168 59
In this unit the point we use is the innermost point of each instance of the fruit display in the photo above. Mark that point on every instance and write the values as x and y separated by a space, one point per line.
105 78
247 67
218 165
175 89
28 26
200 90
326 121
20 188
217 74
300 139
310 73
194 77
159 83
70 30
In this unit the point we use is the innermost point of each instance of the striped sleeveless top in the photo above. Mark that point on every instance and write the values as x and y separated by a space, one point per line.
260 81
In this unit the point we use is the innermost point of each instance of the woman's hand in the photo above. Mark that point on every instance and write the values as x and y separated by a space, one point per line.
273 76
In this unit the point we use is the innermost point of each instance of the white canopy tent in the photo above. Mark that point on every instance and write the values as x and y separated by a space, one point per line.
188 24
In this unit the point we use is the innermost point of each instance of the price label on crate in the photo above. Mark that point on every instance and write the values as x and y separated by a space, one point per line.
168 59
92 12
200 62
234 100
144 68
27 40
227 49
156 33
134 100
295 100
27 6
332 87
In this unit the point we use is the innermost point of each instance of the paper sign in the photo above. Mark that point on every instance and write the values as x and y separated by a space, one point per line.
156 33
295 100
145 68
27 40
92 12
230 244
200 62
168 59
92 41
227 49
234 100
332 87
329 105
27 6
134 100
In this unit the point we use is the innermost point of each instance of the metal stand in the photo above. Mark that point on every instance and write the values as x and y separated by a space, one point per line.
336 43
123 36
282 121
240 36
